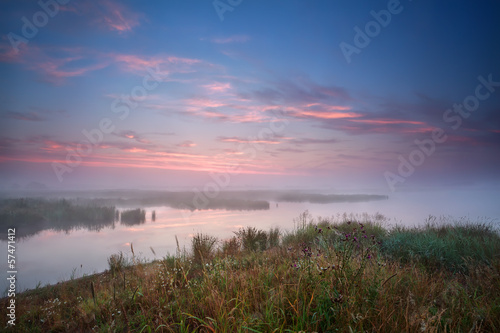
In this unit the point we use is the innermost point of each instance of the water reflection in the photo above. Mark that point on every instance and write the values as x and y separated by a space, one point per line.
81 210
51 256
30 216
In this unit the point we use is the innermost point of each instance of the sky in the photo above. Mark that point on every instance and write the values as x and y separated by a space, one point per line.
385 95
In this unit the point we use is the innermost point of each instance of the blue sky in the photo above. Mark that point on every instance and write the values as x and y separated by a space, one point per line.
264 97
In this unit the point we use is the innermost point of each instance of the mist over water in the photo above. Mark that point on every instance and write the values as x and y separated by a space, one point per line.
56 253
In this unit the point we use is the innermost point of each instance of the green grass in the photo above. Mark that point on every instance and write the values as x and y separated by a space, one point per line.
323 276
452 246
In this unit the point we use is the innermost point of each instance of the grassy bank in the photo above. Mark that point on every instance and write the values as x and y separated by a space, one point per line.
324 276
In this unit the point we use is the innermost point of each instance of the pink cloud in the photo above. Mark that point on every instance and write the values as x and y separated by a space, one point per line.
166 64
236 139
8 53
321 111
217 87
128 134
55 64
108 14
327 115
187 144
231 39
123 155
388 121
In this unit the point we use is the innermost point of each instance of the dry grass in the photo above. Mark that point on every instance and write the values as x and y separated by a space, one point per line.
336 280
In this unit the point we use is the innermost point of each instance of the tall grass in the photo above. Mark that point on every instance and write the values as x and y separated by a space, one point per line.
324 276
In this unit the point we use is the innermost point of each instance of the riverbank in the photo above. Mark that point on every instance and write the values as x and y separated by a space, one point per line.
325 275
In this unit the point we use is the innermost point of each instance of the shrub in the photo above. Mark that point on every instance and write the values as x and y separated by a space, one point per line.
116 263
231 246
252 239
203 247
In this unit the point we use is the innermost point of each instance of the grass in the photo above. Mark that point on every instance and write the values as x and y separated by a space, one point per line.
323 276
444 245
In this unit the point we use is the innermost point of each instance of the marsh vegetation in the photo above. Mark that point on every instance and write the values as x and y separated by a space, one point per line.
327 274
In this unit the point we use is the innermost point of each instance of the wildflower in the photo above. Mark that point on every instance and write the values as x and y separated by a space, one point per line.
368 256
338 299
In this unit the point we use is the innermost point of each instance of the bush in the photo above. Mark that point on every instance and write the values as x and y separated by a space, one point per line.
203 247
231 246
116 263
252 239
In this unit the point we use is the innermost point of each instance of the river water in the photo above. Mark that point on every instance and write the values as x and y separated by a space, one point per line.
51 256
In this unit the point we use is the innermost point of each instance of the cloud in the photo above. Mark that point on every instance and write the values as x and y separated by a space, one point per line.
45 149
109 15
300 91
27 116
221 109
129 134
236 139
217 87
56 64
291 150
8 53
166 63
231 39
308 141
186 144
321 111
